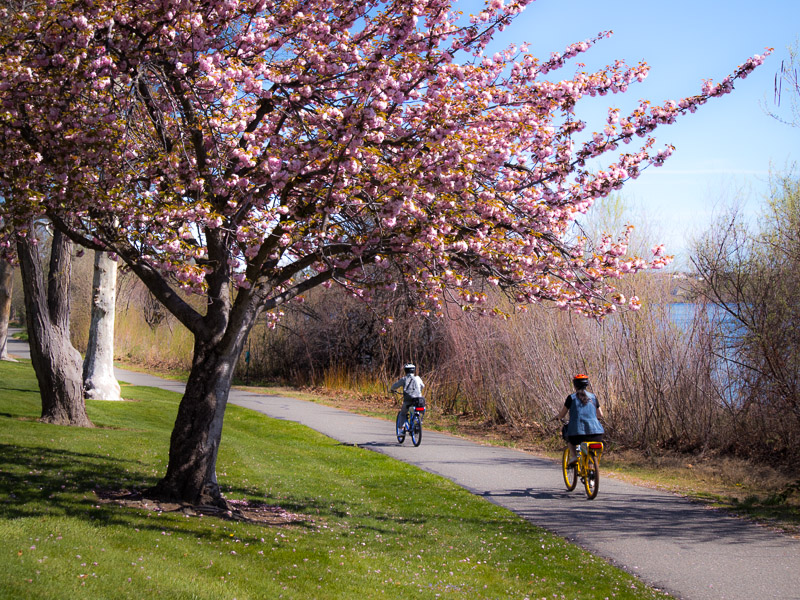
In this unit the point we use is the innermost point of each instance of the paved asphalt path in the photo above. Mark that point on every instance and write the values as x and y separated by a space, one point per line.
681 547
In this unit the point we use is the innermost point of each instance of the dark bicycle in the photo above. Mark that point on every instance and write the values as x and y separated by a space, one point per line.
411 425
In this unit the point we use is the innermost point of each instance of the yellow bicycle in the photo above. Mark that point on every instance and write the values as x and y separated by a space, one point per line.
586 468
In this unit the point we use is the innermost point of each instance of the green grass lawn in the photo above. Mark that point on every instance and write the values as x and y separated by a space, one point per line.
372 527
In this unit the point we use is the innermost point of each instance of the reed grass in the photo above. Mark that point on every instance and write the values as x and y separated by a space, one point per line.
166 347
340 377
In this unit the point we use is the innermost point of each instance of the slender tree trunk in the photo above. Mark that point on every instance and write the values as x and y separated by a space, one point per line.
6 286
98 366
56 362
191 473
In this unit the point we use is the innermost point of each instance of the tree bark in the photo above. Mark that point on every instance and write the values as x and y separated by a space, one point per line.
56 362
191 472
219 337
98 366
6 287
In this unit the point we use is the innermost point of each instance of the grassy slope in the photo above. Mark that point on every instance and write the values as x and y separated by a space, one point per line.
373 528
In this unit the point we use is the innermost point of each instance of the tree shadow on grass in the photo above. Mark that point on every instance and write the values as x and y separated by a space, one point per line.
32 392
39 482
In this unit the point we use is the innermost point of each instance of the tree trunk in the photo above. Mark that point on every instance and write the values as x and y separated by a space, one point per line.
191 473
6 286
56 362
98 366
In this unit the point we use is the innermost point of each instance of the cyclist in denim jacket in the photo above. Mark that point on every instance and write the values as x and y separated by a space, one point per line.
412 390
584 414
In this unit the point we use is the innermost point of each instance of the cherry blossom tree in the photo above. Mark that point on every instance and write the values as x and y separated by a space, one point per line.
250 150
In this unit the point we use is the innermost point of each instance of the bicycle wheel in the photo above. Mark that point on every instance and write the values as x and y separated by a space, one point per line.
592 480
416 430
401 433
570 471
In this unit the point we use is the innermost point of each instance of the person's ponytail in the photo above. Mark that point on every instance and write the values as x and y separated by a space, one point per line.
582 395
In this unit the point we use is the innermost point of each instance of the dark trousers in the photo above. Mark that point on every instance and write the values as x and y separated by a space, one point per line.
408 403
577 439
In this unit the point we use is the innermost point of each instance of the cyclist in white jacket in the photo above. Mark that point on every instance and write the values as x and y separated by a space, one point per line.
412 390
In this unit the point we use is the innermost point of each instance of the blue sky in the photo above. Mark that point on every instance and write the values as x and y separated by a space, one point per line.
725 149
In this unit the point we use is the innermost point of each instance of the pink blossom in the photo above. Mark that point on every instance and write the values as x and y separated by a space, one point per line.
294 141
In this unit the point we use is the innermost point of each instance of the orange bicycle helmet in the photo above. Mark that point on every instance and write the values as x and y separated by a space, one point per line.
580 380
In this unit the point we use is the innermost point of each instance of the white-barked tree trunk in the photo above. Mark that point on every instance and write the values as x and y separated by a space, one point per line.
6 284
98 366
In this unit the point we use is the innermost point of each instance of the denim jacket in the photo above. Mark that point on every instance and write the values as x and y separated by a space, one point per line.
583 417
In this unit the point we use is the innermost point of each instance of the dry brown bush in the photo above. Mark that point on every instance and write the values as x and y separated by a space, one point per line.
653 376
331 336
